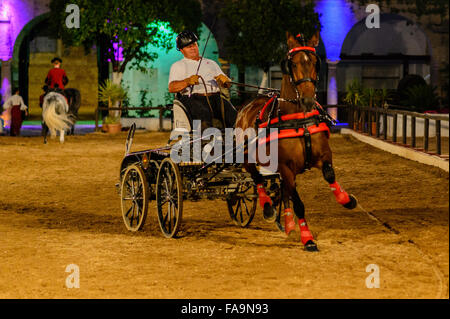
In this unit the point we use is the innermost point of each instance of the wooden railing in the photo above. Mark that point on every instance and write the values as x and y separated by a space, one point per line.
363 119
160 108
368 120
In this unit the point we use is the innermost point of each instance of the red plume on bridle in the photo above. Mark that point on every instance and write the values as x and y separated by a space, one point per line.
301 39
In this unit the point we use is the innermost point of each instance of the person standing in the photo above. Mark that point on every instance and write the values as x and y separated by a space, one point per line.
56 77
16 104
198 88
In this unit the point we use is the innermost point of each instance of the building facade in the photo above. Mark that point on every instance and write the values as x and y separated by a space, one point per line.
379 57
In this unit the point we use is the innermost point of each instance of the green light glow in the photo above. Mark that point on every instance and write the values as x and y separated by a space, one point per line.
155 81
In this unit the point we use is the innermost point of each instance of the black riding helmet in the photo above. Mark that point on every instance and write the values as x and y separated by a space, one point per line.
185 38
56 59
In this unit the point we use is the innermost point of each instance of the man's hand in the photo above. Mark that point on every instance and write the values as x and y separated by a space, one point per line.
223 81
192 80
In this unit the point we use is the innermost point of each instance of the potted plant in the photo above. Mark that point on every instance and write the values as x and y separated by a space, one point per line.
112 124
113 94
370 96
354 97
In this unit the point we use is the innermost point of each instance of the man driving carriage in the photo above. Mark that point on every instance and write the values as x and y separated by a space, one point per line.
197 81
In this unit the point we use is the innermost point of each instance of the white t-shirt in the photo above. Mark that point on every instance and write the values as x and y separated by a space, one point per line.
185 68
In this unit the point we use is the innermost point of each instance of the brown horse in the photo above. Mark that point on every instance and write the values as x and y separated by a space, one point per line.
306 144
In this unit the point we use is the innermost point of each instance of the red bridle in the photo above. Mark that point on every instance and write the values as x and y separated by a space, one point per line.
291 53
301 49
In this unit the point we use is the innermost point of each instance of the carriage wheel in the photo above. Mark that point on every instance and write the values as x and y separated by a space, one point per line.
242 204
169 198
134 194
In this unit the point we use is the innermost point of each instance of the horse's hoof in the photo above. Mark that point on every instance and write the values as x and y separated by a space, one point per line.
269 213
352 203
311 246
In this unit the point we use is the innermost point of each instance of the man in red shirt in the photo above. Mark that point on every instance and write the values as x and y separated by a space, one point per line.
56 77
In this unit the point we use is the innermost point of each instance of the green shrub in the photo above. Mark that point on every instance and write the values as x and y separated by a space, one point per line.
420 98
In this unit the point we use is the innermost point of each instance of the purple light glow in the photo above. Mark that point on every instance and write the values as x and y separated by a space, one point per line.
6 87
5 91
14 15
39 127
118 51
337 19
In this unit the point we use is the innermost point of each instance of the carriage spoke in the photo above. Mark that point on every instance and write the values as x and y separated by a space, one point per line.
132 186
138 211
240 213
174 216
165 219
246 208
170 218
128 211
128 185
238 208
132 215
164 201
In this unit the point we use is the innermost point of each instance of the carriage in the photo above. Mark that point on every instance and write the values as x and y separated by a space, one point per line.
152 175
302 130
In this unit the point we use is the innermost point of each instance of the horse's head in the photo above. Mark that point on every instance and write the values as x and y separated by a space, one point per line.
301 66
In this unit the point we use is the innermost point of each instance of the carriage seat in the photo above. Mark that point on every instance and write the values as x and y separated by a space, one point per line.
182 119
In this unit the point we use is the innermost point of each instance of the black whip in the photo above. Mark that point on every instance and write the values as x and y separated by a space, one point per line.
203 54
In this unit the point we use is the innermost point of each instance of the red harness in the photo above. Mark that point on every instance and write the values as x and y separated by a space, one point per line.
291 132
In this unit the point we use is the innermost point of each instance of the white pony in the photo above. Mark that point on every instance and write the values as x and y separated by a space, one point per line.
56 116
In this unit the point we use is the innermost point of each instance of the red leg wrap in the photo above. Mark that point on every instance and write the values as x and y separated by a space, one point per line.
305 234
263 197
341 195
289 223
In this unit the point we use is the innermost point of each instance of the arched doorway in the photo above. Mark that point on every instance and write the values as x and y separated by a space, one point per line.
381 57
34 48
21 53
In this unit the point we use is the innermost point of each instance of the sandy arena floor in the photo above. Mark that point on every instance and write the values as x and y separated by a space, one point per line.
59 206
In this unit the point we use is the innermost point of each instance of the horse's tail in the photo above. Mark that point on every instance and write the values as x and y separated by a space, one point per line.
55 112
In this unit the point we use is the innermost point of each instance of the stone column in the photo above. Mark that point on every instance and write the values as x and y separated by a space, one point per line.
6 88
332 89
434 72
